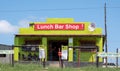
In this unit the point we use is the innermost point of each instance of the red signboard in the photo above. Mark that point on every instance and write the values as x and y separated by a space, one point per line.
73 26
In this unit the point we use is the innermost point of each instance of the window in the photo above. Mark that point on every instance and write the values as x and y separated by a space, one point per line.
31 42
88 50
87 43
2 55
87 46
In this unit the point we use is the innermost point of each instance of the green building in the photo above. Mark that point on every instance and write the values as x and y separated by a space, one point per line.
58 32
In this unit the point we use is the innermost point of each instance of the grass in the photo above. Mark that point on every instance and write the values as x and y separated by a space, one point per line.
84 69
37 67
20 67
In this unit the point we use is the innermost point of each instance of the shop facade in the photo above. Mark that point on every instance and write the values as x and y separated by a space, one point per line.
55 33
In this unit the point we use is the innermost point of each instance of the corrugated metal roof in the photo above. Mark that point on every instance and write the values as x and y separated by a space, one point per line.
5 47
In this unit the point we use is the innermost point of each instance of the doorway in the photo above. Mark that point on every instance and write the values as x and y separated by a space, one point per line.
53 48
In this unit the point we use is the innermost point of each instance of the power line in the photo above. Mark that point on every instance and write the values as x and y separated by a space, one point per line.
60 9
113 7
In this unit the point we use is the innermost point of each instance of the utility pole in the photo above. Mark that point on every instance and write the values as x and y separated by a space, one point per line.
106 49
117 58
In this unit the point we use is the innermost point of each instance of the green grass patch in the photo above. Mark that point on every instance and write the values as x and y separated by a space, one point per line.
85 69
20 67
38 67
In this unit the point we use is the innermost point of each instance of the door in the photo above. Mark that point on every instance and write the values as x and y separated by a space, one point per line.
53 48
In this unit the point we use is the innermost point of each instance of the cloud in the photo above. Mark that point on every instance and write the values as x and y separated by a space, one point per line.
6 27
25 22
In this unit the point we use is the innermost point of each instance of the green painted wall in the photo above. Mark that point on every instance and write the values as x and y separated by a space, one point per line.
44 43
100 45
70 43
87 56
16 49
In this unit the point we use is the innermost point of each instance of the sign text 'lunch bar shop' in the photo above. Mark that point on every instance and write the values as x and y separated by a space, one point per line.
67 26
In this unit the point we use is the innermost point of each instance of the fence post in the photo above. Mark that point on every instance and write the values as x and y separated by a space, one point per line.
13 56
79 57
60 60
44 63
97 58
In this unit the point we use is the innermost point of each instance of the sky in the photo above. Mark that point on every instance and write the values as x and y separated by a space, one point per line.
18 13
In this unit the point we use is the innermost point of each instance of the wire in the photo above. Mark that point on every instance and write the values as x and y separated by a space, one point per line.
62 9
112 7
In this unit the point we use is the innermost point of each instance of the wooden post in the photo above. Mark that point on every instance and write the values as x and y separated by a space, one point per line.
97 58
59 57
44 63
13 56
79 57
61 63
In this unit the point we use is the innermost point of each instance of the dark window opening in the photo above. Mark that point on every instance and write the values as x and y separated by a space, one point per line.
88 45
88 50
2 55
30 53
31 42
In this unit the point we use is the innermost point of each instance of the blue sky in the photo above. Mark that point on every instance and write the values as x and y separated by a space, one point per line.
18 13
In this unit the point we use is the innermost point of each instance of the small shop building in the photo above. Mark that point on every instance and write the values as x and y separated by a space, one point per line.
5 54
58 32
